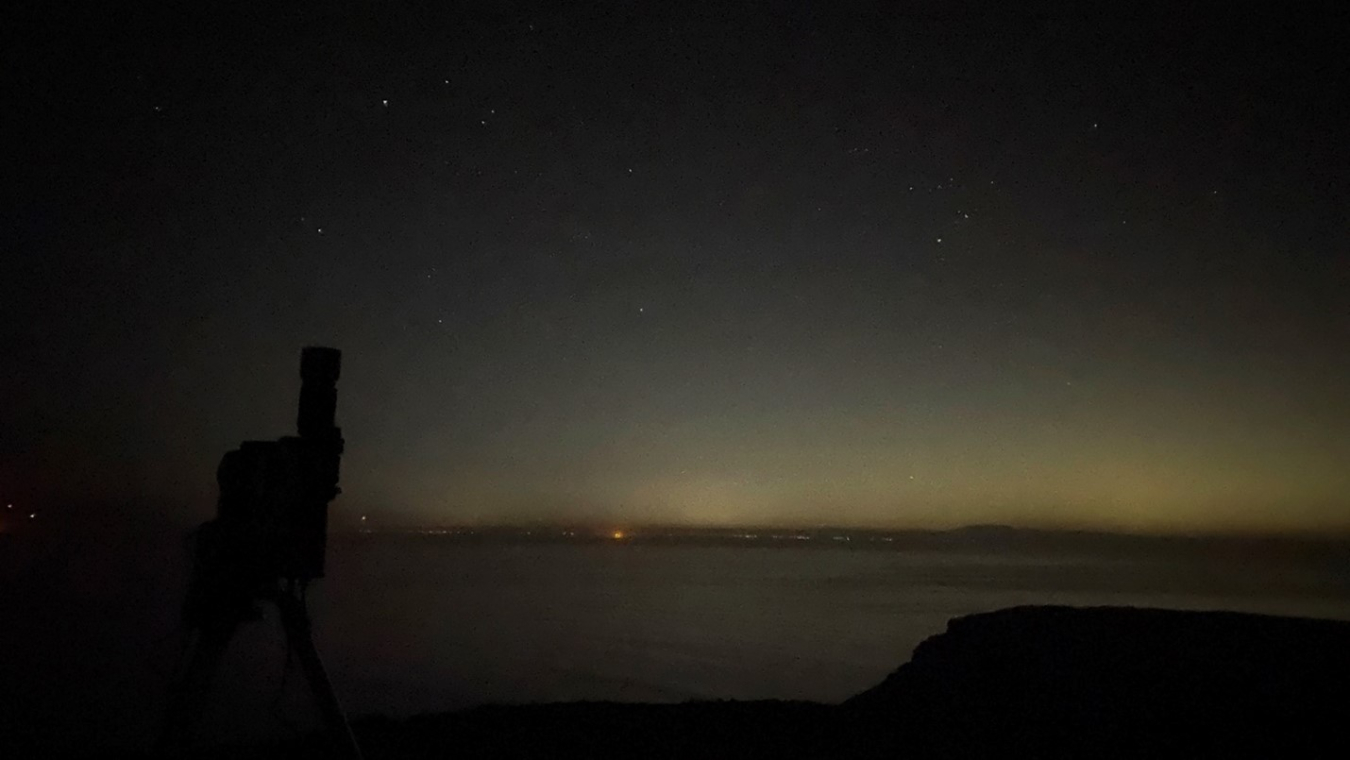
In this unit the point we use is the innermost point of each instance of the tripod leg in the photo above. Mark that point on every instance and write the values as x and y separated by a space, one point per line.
188 696
296 622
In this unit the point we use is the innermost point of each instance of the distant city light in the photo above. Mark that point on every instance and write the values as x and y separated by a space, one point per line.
618 534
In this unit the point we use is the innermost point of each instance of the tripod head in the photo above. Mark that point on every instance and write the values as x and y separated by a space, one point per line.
271 520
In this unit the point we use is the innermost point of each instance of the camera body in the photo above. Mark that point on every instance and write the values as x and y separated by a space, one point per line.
272 515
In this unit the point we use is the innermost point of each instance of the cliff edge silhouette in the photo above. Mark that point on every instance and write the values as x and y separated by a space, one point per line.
1113 681
1023 681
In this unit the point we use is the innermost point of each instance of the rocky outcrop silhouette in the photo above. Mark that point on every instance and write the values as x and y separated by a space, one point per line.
1123 682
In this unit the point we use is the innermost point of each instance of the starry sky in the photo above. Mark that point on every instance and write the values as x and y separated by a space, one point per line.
897 264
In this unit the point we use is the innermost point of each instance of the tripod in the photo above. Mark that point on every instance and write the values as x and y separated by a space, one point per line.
265 545
190 693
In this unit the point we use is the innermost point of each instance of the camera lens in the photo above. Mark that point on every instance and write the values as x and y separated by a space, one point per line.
320 364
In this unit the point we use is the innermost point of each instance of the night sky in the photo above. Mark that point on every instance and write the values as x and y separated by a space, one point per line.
920 264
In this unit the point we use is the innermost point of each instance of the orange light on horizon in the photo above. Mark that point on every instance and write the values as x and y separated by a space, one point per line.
617 535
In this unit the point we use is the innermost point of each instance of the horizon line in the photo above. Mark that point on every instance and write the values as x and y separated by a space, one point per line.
637 529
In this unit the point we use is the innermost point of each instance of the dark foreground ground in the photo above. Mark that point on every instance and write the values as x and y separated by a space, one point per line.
1026 681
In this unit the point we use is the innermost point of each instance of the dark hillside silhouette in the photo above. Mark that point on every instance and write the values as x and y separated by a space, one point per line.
1020 682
